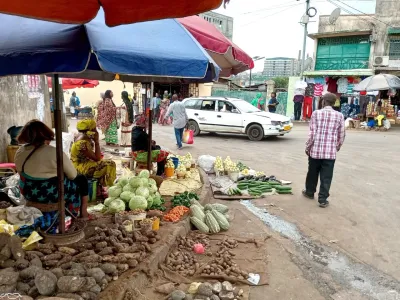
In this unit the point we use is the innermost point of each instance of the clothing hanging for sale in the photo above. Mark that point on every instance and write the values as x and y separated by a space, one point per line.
332 85
342 84
310 89
307 107
318 89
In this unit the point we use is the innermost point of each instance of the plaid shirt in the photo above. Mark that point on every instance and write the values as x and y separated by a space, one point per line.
326 134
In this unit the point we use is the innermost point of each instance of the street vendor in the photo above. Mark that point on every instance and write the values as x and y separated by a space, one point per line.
140 142
86 154
36 164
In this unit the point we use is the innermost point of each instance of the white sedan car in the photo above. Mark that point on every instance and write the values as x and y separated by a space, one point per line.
232 115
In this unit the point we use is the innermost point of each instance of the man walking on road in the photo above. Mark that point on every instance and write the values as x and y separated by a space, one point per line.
155 106
325 138
180 118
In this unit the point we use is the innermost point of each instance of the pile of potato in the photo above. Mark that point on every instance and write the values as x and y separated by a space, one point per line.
182 262
80 271
187 243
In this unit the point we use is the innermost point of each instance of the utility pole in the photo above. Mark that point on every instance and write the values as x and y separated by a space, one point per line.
305 37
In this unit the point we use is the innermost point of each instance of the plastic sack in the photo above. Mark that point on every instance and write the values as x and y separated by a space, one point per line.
386 124
31 242
22 215
206 162
347 122
7 228
187 137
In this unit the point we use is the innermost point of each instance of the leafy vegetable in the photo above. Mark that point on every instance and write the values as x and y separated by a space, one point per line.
152 189
149 202
138 202
108 201
135 182
152 182
128 188
144 174
116 206
157 200
184 199
123 181
142 191
144 182
126 196
114 191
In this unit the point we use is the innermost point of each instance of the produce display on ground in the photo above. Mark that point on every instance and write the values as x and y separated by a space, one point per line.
210 219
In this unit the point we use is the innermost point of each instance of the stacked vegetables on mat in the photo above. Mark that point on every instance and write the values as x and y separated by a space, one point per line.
131 193
256 186
210 219
175 214
184 199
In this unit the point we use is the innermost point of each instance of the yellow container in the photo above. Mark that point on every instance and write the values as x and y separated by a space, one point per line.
169 172
11 150
156 224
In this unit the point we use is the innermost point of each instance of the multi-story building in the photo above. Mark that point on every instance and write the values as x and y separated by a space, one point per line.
280 67
359 44
222 22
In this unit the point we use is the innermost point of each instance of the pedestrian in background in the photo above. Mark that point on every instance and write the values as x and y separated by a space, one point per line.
258 101
325 138
272 103
155 106
135 106
72 104
164 105
180 118
126 120
77 106
107 119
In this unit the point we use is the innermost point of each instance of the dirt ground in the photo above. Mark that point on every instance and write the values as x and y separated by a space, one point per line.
347 251
362 221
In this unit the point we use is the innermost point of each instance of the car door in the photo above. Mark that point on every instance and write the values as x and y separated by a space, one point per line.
207 115
192 108
229 119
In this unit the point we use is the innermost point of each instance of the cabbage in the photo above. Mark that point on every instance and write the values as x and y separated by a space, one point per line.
114 191
116 206
149 202
126 196
128 188
152 182
123 181
142 191
157 200
144 174
152 189
135 182
138 202
108 201
158 195
144 182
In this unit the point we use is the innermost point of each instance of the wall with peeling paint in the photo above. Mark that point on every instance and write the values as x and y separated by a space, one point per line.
18 105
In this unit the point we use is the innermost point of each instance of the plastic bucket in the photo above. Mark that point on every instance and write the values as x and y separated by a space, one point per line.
92 183
169 172
175 160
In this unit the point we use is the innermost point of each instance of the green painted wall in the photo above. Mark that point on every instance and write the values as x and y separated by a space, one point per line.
343 53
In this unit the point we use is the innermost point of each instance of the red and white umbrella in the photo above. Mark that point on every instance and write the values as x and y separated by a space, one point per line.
228 56
73 83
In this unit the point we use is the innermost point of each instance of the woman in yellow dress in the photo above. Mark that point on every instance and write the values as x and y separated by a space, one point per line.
86 155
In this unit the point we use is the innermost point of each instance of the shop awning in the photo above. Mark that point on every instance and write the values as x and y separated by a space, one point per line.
394 30
228 56
354 72
73 83
117 12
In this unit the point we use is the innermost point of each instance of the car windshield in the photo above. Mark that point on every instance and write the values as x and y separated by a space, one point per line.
245 107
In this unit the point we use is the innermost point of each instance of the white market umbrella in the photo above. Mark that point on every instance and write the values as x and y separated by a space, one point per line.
378 83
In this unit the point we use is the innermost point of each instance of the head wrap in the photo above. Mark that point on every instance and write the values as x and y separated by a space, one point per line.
102 95
86 125
140 120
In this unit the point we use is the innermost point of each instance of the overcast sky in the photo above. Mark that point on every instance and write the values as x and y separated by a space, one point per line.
271 28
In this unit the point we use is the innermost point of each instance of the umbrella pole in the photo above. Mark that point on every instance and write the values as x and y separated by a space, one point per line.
149 162
59 150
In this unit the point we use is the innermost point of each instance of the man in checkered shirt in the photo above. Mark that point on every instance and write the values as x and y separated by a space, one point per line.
325 138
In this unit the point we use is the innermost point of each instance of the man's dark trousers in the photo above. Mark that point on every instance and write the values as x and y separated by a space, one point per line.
322 168
297 110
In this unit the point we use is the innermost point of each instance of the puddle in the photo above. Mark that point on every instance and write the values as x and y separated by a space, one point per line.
363 278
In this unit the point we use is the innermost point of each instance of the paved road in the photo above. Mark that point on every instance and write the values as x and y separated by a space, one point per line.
364 217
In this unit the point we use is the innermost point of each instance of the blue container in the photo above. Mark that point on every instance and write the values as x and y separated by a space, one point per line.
175 160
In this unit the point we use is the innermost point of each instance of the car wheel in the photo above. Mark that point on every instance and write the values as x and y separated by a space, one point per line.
255 132
192 125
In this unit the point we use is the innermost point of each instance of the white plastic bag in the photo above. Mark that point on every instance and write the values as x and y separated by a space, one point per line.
386 124
67 140
22 215
347 122
206 162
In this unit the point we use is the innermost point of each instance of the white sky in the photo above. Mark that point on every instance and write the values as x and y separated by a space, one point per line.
271 28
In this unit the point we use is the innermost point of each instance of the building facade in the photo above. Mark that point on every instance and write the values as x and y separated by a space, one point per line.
359 44
280 67
222 22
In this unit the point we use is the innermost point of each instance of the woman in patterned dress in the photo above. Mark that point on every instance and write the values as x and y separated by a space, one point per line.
126 120
107 119
163 110
86 155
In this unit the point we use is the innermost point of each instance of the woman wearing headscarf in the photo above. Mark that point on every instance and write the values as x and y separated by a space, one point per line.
126 120
107 118
164 105
140 146
86 154
258 101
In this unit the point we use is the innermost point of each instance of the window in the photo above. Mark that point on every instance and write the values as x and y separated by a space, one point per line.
225 106
208 105
193 104
394 48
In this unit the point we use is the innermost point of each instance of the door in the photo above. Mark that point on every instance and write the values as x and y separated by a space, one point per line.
207 115
228 117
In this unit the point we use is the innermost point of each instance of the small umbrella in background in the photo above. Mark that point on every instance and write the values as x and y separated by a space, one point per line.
117 12
378 83
73 83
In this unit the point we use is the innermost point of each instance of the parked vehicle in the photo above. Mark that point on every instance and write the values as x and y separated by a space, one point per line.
232 115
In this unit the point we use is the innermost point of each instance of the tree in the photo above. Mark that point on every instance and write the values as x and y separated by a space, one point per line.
281 82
